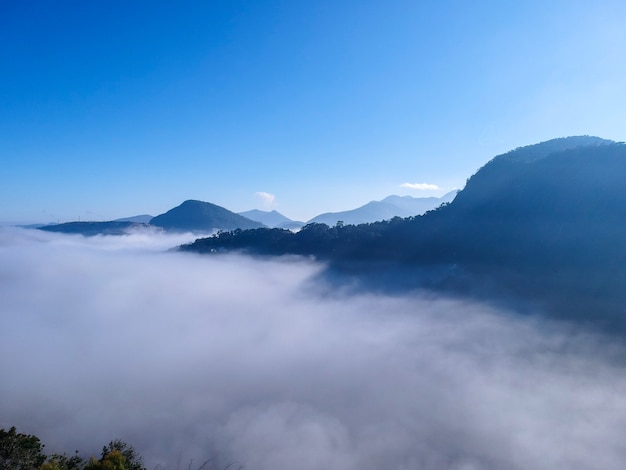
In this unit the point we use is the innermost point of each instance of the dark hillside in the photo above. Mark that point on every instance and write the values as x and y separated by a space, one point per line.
543 223
90 229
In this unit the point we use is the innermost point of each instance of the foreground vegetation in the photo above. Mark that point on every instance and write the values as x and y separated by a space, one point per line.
26 452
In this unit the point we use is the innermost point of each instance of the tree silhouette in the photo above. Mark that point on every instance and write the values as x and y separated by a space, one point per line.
20 451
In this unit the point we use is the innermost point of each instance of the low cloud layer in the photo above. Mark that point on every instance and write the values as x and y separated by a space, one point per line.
191 357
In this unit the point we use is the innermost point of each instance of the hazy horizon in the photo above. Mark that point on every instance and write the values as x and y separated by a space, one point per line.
31 222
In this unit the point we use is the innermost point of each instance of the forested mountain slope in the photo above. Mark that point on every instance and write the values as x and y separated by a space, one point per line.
545 223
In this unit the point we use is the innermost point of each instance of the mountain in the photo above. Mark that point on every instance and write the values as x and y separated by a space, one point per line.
418 205
540 228
388 208
90 229
271 219
141 219
199 216
292 225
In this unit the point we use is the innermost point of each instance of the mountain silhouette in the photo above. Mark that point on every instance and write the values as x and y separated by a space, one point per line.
540 226
142 219
199 216
271 219
388 208
90 229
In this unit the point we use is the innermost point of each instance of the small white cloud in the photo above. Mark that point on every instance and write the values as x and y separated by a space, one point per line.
420 186
266 198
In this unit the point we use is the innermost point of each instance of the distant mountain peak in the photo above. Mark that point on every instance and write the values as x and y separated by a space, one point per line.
388 208
271 218
200 216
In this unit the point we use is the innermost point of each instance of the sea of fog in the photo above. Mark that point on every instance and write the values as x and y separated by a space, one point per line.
261 362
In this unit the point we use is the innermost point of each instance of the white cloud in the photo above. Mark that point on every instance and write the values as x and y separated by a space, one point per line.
267 199
420 186
255 361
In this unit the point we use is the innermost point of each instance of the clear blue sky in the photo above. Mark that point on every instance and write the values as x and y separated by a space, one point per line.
116 108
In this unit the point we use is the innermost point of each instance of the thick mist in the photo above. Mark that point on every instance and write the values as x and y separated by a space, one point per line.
234 359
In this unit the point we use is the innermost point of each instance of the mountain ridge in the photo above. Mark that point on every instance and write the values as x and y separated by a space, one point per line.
89 229
544 228
272 219
385 209
199 216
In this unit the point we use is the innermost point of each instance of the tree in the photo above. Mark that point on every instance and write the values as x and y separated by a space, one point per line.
20 451
111 456
63 462
113 460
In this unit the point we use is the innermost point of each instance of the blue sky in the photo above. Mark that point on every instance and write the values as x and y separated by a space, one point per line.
111 109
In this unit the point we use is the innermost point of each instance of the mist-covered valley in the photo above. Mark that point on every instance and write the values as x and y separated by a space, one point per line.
271 364
313 235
